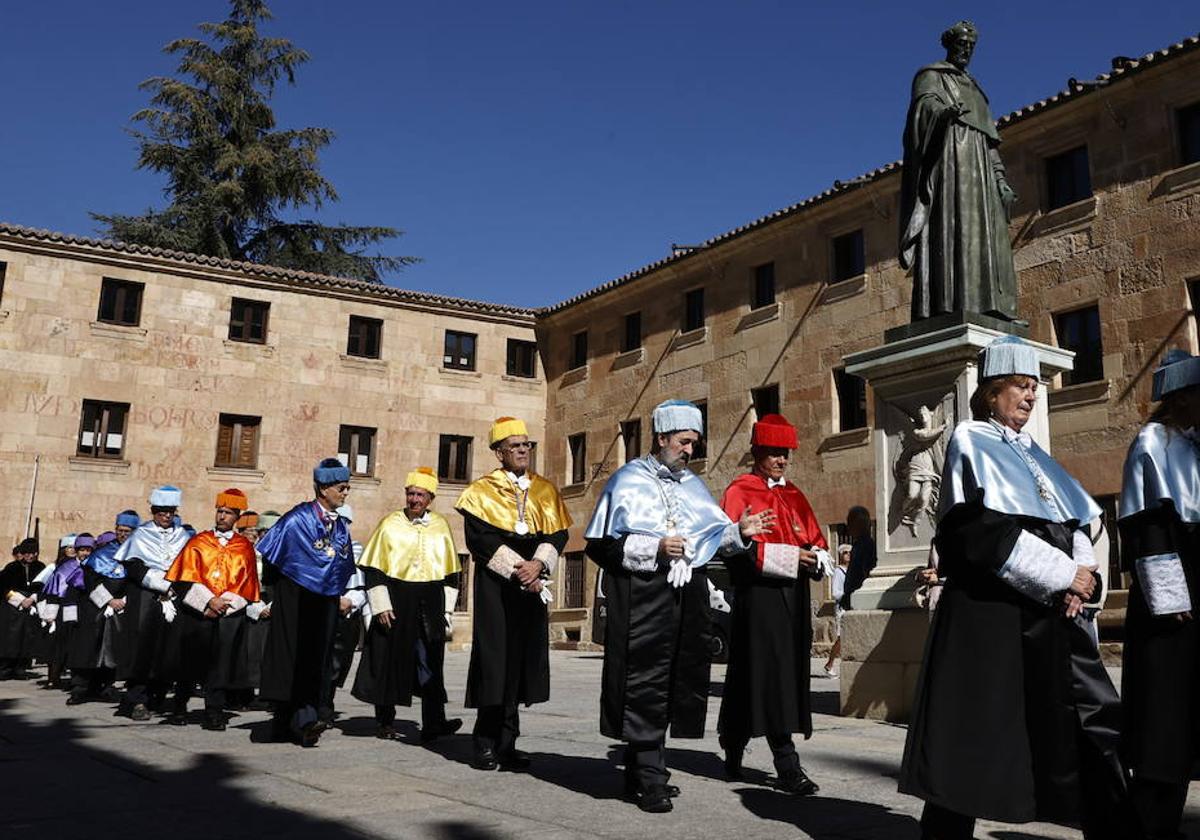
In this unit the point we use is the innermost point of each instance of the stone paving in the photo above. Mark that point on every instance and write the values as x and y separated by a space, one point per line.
79 772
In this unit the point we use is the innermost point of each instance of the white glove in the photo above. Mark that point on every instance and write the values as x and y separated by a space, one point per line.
169 611
545 594
109 612
50 627
679 574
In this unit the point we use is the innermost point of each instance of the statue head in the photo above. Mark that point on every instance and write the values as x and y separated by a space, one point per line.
959 41
925 417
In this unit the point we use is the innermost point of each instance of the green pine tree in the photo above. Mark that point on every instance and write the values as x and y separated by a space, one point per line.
231 173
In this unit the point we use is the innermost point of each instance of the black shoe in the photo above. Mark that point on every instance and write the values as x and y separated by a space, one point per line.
514 761
655 799
214 722
485 759
733 759
110 694
76 700
176 719
439 730
311 733
139 712
797 782
632 788
387 732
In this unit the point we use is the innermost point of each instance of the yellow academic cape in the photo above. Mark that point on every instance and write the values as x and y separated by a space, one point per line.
410 552
493 498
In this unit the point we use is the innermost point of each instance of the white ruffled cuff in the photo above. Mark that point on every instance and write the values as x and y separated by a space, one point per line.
70 613
641 553
548 557
156 579
504 562
732 541
253 611
1037 569
1082 549
236 602
380 599
780 560
100 596
198 596
1164 583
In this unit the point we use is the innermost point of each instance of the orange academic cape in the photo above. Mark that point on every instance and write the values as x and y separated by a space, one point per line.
220 568
795 523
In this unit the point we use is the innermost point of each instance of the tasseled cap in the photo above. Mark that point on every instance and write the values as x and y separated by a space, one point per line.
1009 355
232 498
331 471
249 519
166 497
26 546
85 540
1177 370
128 518
774 431
267 519
68 541
677 416
423 477
506 427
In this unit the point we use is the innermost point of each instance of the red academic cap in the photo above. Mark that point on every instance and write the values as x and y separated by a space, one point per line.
775 431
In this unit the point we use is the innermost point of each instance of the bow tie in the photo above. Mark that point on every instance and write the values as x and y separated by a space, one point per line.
1022 438
421 520
224 536
522 482
772 483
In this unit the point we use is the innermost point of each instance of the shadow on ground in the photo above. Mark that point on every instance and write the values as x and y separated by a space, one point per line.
822 817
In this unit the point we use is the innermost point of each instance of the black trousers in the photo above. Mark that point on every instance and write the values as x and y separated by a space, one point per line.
783 750
646 764
214 698
89 682
147 692
497 727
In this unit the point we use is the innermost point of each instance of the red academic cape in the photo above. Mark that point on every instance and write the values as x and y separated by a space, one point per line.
795 522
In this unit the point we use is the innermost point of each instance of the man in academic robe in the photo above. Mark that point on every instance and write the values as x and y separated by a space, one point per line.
955 197
767 682
259 625
50 610
307 560
405 565
515 524
215 581
1160 530
352 612
20 627
96 604
654 529
146 556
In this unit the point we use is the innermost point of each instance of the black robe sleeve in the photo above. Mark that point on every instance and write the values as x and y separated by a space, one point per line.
1147 533
372 577
606 552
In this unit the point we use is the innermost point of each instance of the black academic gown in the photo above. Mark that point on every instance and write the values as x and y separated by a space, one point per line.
94 636
301 621
657 658
142 632
21 634
1015 718
208 651
1160 680
766 688
510 640
387 671
256 639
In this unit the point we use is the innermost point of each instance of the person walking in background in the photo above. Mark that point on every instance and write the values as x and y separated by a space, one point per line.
862 552
838 593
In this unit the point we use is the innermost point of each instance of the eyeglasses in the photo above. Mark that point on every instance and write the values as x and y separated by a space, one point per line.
520 447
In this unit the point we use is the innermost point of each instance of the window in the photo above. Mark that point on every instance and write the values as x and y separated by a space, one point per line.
574 568
852 400
1189 133
700 450
248 320
631 439
579 350
763 293
693 310
1194 297
522 358
366 336
848 258
766 400
102 429
1080 331
237 441
459 352
577 448
454 458
356 449
120 302
462 582
1067 178
632 339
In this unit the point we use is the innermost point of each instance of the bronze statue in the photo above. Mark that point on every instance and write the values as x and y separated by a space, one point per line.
955 199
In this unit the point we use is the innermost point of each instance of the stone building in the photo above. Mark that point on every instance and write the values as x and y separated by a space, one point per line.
128 367
125 368
1107 243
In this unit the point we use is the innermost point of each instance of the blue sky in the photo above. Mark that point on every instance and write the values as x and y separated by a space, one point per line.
531 150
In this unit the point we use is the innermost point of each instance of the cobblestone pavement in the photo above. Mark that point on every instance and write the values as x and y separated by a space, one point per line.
79 772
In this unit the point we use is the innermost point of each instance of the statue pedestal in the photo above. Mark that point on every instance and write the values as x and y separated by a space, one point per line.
922 379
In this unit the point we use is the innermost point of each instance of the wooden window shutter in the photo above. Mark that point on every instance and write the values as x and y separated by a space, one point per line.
247 455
